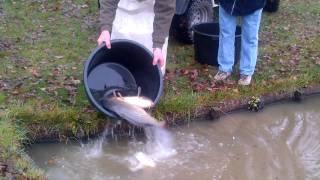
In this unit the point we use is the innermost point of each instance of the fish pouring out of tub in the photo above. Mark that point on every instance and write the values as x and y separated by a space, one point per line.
131 108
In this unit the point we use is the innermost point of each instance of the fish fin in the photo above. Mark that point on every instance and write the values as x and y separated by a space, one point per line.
114 93
139 91
119 95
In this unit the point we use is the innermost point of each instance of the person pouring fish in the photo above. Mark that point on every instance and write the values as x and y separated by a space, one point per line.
146 22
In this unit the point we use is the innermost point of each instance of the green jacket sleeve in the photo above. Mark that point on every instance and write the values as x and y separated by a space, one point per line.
107 13
164 11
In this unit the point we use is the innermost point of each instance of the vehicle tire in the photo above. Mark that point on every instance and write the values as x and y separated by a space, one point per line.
272 6
199 11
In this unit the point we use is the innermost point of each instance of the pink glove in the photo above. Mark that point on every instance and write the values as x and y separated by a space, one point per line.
104 37
158 57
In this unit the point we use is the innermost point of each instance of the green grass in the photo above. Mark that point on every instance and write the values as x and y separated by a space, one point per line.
184 103
49 42
61 40
11 150
52 119
56 48
2 98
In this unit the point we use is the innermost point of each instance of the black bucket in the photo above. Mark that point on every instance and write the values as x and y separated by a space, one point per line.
206 43
125 66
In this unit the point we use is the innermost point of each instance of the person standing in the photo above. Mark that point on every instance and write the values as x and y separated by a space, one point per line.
250 12
144 21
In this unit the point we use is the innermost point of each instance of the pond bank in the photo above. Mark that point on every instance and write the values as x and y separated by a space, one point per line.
222 108
9 169
211 112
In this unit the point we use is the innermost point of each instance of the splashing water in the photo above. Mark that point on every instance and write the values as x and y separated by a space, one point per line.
159 144
158 147
94 149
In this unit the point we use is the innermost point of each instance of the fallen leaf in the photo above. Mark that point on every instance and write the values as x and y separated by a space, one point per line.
18 85
282 62
198 87
286 28
184 71
35 73
282 69
235 91
15 92
174 88
210 89
59 57
76 82
193 74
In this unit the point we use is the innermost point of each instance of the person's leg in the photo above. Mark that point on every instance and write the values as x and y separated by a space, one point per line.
227 25
249 44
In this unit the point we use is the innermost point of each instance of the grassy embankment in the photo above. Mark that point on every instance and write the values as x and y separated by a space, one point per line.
44 44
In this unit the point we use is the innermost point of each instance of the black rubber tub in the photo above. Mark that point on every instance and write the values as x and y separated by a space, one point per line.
206 43
126 65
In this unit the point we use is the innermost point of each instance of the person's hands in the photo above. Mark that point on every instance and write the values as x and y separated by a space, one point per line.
104 37
158 57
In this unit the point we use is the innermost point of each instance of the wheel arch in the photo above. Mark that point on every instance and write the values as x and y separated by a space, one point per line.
182 6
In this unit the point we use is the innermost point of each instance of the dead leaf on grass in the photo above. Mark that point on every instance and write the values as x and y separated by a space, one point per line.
76 81
35 73
15 92
84 6
235 91
193 74
198 87
59 57
184 71
211 89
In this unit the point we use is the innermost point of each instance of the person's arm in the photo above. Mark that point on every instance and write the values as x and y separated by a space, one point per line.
107 14
164 11
108 10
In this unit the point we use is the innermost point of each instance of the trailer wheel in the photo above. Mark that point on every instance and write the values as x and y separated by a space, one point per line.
199 11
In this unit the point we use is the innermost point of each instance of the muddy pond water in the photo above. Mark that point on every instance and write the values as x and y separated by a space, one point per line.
280 142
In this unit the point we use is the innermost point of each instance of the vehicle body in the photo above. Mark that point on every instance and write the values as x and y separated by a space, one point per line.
182 6
191 12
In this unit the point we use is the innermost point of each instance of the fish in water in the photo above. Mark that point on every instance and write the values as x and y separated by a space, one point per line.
131 109
144 159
